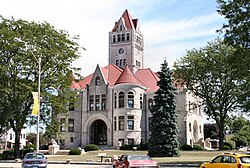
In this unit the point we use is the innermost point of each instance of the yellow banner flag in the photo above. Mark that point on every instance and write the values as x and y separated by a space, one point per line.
35 106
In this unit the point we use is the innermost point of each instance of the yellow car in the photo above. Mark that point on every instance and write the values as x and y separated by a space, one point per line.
228 160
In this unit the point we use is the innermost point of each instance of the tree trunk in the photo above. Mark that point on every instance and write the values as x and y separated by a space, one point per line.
17 144
221 136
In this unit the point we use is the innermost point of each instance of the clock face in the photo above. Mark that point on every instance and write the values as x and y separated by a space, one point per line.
121 50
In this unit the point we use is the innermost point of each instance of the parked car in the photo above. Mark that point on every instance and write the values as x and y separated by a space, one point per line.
229 160
34 160
138 161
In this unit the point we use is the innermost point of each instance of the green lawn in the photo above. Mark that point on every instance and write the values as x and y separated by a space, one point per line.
186 156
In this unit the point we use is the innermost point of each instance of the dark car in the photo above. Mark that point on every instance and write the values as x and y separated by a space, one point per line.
137 161
34 160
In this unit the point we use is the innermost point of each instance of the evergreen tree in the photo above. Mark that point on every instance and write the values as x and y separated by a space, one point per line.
163 124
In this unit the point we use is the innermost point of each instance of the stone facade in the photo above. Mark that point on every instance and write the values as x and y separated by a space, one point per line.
115 101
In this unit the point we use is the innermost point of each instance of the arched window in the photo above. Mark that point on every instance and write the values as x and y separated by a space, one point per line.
121 100
150 103
115 101
130 99
97 80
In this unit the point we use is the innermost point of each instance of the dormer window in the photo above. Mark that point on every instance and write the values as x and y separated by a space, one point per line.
97 81
120 28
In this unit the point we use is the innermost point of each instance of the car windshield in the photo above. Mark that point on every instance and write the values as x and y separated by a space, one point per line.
34 156
245 159
138 157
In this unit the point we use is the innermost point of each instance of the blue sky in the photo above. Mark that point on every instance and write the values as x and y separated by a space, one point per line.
170 27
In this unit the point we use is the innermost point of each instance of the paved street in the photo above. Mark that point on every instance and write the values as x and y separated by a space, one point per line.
18 165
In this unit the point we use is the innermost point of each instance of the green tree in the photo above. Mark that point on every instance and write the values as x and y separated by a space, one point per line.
236 33
19 72
236 123
163 124
209 74
242 137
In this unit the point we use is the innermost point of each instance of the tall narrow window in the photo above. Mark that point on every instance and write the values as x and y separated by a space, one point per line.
123 37
71 139
120 28
115 100
121 100
62 124
115 122
131 100
97 80
128 37
124 62
120 62
121 122
97 102
91 102
103 107
150 103
130 121
71 125
117 62
114 39
118 38
141 100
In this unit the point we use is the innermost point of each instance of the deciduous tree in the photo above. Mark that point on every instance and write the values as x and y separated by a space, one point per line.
19 70
209 74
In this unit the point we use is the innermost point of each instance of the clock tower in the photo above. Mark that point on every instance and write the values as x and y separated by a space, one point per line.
126 43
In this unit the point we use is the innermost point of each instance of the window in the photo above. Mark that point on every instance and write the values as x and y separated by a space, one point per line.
121 100
131 141
123 37
91 102
97 102
62 124
103 102
128 37
120 62
121 122
118 38
97 81
150 104
120 28
71 139
190 127
138 63
114 38
10 136
115 122
117 62
62 142
71 106
124 62
130 121
131 100
71 125
141 101
115 101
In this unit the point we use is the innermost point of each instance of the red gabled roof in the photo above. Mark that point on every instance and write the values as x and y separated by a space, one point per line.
113 73
127 77
75 85
129 22
85 81
148 78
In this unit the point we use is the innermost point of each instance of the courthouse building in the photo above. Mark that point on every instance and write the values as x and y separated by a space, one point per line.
115 100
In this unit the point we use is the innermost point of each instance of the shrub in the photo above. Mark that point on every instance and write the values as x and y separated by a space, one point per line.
75 151
197 147
186 147
26 150
8 154
225 147
231 144
91 147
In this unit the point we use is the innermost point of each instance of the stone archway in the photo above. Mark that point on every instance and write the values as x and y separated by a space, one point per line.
195 131
98 133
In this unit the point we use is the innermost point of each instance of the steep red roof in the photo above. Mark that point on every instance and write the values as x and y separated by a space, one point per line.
148 78
85 81
75 85
113 73
129 22
127 77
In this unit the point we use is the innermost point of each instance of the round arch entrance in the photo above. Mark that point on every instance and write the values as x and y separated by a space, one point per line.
98 133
